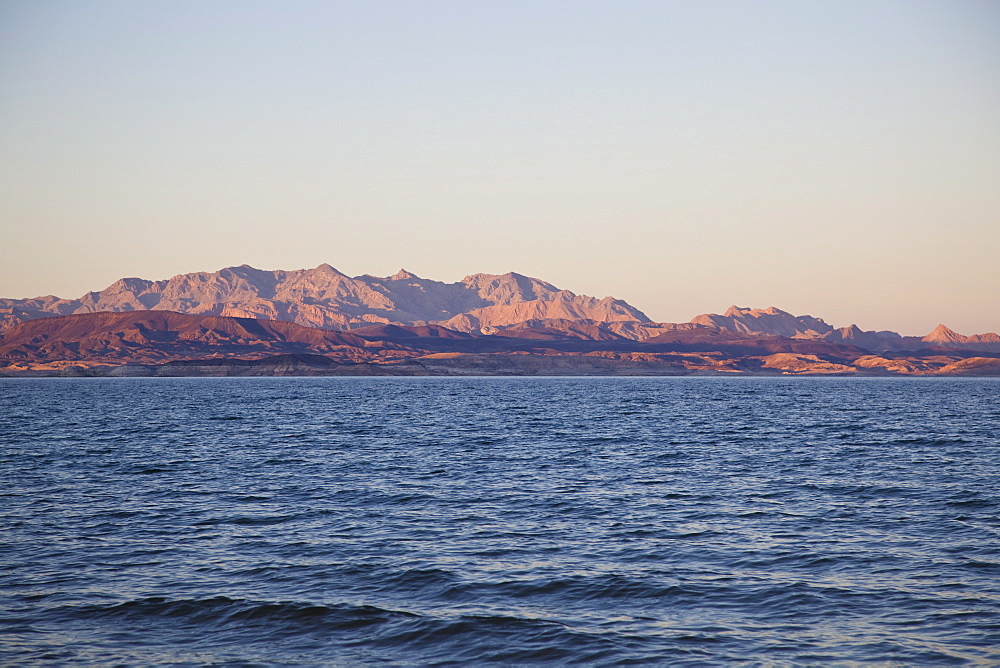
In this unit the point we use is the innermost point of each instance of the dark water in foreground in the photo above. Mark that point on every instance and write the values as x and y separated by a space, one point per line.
439 520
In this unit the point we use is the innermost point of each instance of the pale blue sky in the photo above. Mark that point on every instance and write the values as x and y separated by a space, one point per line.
835 158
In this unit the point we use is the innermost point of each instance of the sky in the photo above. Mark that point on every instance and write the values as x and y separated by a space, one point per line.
840 159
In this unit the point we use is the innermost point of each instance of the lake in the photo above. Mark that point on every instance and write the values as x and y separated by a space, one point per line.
500 520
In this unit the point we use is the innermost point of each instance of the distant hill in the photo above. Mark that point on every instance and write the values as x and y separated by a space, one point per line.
775 322
771 320
150 336
168 343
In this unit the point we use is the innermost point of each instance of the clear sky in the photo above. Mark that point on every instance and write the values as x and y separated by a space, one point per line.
834 158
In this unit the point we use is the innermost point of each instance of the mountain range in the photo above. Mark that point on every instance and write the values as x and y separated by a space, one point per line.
776 322
326 298
329 322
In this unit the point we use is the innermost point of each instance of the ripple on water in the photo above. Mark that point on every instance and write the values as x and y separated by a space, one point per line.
500 520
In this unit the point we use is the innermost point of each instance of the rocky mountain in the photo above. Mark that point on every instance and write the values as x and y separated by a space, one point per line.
326 298
871 340
594 329
771 321
944 337
775 322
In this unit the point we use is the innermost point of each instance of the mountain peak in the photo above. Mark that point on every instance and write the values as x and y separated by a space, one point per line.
402 275
943 334
327 269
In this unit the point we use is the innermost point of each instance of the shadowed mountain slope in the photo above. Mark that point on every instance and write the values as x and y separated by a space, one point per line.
146 335
159 334
221 345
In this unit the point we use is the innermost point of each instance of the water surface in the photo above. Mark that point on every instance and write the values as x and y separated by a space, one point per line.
506 520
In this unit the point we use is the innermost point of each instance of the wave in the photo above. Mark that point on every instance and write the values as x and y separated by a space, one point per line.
222 611
383 633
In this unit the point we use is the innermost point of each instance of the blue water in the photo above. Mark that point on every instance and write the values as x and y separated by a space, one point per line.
500 520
